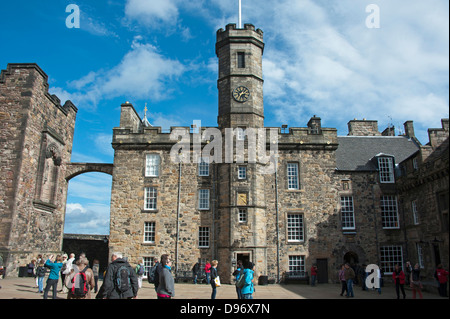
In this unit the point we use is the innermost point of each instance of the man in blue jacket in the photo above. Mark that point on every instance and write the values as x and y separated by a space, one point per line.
55 268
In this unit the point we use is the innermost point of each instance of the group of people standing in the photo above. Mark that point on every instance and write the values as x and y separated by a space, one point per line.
411 277
61 266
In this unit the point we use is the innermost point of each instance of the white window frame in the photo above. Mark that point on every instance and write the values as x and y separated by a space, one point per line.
386 169
242 215
149 232
420 256
242 172
389 257
415 163
150 198
148 264
241 133
203 199
203 166
203 237
296 263
295 228
292 172
415 212
389 212
347 213
152 165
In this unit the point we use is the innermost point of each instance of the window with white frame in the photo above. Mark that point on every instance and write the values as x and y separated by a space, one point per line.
389 212
242 215
149 232
292 175
152 163
347 212
389 257
297 264
203 237
415 212
150 198
242 172
203 167
241 133
415 164
295 227
203 199
386 169
148 264
420 256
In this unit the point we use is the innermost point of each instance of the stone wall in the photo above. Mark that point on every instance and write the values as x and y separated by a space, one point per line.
35 142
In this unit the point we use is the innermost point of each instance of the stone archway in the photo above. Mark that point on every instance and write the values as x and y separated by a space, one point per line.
351 258
75 169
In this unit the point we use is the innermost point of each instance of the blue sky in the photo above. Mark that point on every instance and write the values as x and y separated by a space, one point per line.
320 59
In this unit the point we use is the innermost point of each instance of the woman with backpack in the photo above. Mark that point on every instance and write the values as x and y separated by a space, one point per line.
237 274
248 288
82 282
40 273
140 271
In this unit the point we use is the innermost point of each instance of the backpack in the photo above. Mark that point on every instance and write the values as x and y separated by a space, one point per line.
241 281
80 287
141 270
122 280
153 277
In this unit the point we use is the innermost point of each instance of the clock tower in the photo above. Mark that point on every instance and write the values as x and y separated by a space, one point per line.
241 200
240 80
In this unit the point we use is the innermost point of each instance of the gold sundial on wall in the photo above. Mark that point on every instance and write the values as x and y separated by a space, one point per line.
242 199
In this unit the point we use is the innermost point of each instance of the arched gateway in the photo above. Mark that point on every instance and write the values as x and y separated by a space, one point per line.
75 169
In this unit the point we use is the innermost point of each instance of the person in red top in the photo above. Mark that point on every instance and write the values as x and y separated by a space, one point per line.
399 278
441 276
208 272
313 275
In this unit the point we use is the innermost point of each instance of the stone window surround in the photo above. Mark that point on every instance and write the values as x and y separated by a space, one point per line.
300 242
146 158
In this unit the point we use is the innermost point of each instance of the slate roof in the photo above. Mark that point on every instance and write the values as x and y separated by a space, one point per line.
356 153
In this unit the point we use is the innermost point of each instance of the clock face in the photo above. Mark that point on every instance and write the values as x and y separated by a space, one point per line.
241 94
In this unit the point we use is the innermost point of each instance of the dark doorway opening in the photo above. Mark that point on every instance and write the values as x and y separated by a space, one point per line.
322 271
245 258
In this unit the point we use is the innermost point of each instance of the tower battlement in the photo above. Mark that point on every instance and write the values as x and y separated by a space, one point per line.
232 34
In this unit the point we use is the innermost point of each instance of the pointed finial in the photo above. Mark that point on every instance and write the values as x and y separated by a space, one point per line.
146 122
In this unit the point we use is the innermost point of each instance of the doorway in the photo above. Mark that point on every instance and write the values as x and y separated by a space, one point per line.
322 271
244 257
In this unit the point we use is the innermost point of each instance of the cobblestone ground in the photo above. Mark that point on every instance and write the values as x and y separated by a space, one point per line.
24 288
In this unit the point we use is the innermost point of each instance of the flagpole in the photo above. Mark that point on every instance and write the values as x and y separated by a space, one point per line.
240 15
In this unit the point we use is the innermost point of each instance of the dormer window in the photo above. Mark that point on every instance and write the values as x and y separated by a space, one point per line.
386 169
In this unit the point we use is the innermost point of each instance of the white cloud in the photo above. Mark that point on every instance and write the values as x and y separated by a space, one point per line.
91 218
152 13
143 73
88 206
320 58
93 187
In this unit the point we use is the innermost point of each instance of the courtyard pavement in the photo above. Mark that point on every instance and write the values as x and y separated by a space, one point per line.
24 288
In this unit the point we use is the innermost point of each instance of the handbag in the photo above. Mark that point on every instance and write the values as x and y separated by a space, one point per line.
217 281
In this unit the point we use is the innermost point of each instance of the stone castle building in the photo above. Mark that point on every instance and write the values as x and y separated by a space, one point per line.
367 197
36 135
